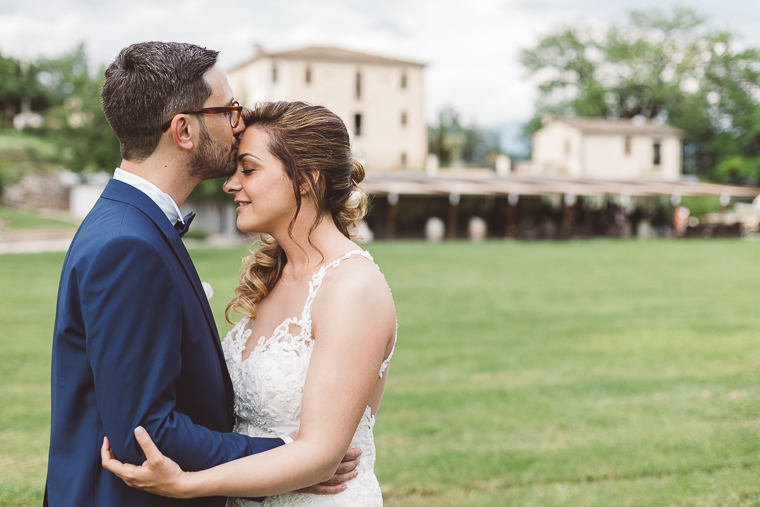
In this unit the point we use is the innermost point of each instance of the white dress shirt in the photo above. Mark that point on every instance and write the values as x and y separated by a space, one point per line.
161 198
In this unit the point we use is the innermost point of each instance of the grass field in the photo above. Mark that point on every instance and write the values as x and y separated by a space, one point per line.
21 153
14 218
602 373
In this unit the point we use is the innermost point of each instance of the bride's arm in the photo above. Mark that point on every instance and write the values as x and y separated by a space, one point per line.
354 322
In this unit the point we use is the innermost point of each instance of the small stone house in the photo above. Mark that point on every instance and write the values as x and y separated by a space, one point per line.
600 148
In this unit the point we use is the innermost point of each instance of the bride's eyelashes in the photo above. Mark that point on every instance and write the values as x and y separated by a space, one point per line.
248 168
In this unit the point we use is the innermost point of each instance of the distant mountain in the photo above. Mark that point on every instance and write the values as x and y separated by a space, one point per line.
512 142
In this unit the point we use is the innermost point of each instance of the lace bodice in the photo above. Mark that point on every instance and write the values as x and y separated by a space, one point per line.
268 388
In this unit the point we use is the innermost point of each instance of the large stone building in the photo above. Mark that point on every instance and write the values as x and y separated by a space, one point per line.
380 99
599 148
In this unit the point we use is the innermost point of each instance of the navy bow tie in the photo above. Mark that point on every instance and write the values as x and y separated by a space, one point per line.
183 228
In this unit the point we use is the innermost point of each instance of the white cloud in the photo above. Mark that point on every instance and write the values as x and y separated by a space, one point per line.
471 47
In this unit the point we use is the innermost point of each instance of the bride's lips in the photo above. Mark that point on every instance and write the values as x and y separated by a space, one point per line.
241 205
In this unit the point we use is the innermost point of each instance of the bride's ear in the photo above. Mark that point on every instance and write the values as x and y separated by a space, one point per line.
314 178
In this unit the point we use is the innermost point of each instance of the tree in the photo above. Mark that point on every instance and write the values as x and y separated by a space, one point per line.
18 82
76 122
675 69
456 144
10 89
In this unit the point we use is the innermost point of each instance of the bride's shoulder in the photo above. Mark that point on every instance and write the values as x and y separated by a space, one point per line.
358 281
357 292
360 270
356 274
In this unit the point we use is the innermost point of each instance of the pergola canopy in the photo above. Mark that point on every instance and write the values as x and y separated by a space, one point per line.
421 184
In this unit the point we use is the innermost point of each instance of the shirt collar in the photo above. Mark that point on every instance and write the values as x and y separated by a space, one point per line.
161 198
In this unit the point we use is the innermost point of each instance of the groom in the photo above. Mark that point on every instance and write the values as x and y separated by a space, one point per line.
135 342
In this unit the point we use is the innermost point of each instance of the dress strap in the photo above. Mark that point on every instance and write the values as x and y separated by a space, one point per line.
387 361
316 282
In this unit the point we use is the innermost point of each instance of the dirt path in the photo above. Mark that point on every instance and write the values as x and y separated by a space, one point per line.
35 240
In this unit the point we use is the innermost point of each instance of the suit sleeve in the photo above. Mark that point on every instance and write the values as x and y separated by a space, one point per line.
134 333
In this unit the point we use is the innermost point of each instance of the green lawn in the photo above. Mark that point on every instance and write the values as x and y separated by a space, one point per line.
15 218
527 373
21 153
15 141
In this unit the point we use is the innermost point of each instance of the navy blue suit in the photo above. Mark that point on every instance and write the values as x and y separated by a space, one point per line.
135 344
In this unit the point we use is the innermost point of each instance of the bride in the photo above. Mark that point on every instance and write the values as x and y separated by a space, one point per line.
311 353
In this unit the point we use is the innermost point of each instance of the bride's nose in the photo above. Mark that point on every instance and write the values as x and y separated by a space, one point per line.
232 184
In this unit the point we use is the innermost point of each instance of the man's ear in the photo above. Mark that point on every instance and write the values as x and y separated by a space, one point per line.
182 131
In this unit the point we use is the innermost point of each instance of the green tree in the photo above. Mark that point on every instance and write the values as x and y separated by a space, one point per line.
671 68
76 122
10 89
454 143
18 82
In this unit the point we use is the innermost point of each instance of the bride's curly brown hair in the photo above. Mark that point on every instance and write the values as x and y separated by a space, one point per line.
304 138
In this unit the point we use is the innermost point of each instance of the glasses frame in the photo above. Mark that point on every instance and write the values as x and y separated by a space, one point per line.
233 107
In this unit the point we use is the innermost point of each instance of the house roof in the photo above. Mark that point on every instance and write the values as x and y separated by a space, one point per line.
624 126
331 54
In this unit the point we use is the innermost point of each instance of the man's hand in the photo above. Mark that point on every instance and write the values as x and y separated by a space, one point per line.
345 472
158 474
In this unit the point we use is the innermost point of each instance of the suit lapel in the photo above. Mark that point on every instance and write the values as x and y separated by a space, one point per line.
123 192
187 264
189 267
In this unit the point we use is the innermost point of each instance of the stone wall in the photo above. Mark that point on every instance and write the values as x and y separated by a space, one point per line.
38 191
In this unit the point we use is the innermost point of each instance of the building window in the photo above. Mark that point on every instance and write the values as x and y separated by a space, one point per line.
307 78
274 73
403 160
358 85
403 119
357 124
403 80
657 156
627 145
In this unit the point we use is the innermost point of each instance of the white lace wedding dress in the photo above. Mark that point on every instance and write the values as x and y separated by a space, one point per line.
268 388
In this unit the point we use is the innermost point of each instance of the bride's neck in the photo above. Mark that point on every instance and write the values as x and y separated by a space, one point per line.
304 255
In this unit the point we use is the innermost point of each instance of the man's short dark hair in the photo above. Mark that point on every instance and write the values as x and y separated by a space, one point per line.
147 84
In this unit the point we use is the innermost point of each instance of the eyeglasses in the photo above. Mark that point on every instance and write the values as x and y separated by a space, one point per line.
234 110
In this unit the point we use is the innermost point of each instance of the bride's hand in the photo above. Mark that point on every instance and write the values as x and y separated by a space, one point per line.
158 474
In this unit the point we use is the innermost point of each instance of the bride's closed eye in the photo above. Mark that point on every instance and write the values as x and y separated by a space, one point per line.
247 165
247 168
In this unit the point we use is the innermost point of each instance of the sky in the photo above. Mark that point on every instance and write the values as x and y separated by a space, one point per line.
470 47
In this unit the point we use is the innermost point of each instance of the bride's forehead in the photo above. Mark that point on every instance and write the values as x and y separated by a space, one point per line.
254 134
254 139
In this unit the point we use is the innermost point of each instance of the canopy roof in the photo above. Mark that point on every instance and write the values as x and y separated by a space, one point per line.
421 184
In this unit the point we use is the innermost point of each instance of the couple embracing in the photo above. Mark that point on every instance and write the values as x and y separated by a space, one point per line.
148 407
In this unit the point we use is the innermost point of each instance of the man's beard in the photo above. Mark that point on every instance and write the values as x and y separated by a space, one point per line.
211 160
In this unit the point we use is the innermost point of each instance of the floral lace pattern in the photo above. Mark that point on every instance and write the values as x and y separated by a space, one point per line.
268 388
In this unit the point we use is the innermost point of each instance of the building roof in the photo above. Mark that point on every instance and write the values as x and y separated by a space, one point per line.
624 126
422 184
330 54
